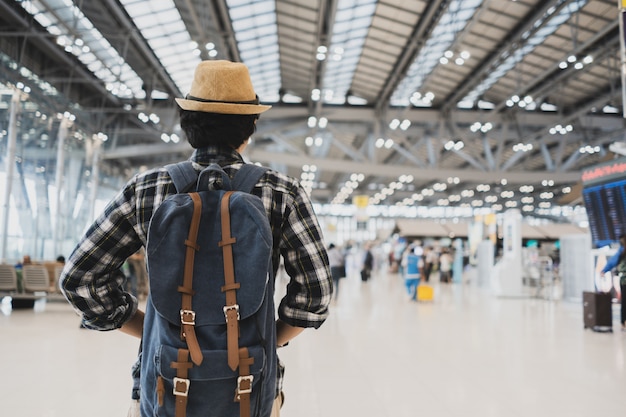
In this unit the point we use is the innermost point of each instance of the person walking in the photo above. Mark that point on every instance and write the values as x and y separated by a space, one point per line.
445 266
414 267
337 261
218 117
618 262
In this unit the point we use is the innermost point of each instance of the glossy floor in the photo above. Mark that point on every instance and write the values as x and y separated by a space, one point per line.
465 354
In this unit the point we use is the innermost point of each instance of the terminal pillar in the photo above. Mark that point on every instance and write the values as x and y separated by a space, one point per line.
507 280
10 163
576 266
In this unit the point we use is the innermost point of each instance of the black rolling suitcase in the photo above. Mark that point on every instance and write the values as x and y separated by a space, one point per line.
597 311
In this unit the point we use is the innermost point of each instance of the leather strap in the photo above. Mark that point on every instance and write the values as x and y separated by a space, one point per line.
181 382
187 315
231 309
244 382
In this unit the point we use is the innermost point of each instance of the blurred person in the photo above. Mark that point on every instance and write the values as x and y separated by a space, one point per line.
414 268
368 263
430 261
337 262
445 265
618 262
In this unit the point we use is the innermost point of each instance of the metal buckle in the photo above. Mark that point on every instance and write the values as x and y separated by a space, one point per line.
183 313
181 381
247 378
233 307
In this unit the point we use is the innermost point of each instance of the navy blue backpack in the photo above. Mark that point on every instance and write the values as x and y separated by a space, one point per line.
209 341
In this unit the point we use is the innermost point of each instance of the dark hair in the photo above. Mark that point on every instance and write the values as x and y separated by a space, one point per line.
205 129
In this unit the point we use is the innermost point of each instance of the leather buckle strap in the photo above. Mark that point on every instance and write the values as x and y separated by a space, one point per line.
244 382
181 386
187 314
181 382
230 286
228 309
188 317
244 385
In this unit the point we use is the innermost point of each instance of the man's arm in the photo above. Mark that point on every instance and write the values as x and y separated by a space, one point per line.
613 261
134 326
286 332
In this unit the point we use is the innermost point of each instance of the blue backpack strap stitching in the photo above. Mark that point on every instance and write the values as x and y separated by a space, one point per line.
247 177
183 175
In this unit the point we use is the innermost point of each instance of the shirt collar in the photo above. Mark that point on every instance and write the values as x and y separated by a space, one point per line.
221 155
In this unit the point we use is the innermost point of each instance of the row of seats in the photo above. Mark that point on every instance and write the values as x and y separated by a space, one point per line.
36 281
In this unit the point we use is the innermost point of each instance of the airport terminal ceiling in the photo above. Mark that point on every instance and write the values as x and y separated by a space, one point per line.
407 102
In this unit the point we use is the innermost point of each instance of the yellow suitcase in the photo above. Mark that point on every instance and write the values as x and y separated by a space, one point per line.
425 292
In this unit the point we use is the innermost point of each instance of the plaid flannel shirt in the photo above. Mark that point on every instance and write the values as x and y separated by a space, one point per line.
93 283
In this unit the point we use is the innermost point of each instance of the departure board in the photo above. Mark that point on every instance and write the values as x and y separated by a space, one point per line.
604 195
606 210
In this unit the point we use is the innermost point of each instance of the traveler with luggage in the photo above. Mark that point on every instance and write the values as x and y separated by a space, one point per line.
413 269
218 117
618 261
368 263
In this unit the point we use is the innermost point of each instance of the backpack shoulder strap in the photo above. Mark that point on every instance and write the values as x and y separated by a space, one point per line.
247 177
183 175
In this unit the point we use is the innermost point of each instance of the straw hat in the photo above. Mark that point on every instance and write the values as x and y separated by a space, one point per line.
222 87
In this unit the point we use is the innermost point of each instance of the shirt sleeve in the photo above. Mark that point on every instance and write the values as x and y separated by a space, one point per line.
613 261
306 262
92 280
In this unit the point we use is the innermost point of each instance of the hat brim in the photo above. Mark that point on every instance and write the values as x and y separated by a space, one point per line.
223 108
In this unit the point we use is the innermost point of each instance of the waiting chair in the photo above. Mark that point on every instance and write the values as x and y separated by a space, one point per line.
35 278
8 278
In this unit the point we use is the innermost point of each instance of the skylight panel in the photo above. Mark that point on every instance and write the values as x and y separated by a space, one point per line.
90 47
165 19
257 32
451 23
254 9
537 39
254 23
265 42
352 20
